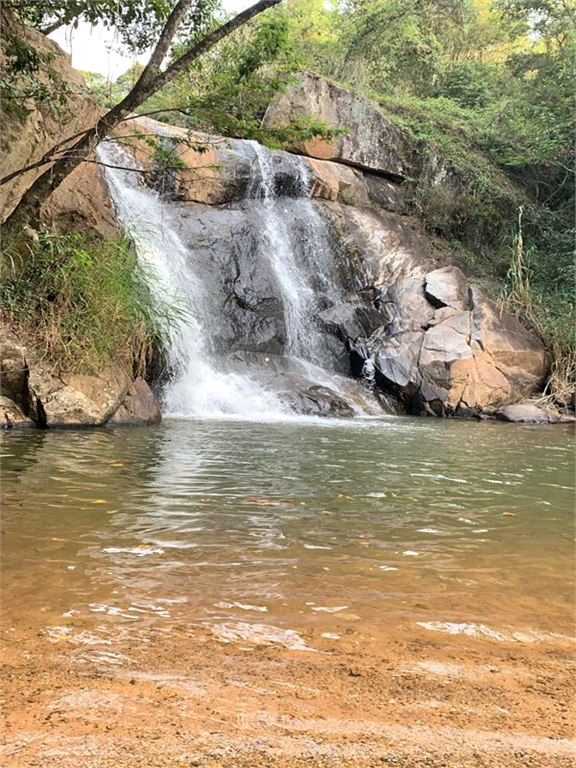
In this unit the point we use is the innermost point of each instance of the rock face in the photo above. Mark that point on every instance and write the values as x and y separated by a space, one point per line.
445 349
32 395
371 142
229 170
14 370
81 202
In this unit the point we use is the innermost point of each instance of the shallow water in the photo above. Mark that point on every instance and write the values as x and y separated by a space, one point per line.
262 530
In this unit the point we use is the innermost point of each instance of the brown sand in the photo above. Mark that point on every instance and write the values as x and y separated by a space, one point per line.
407 697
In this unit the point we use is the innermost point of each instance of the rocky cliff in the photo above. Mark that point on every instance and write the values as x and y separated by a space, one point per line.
34 391
438 343
81 203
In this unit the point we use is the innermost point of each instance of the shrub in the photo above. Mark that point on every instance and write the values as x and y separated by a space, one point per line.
81 302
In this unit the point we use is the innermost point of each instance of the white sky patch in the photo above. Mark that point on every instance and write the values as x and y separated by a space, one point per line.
97 49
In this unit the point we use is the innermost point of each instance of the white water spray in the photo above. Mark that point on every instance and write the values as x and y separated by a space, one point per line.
198 387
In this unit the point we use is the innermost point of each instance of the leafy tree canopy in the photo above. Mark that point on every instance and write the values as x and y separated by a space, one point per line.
137 22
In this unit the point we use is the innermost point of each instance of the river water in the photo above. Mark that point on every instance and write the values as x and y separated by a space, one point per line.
260 531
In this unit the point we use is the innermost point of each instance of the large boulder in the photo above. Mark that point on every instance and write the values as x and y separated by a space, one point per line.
369 141
76 399
447 287
139 407
33 394
456 365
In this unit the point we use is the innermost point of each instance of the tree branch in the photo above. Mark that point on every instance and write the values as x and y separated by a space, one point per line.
149 82
210 40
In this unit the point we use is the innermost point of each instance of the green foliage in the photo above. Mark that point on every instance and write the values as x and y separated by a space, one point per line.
137 22
228 92
82 301
28 76
551 314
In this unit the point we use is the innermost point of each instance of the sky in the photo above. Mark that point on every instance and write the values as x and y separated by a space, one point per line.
94 49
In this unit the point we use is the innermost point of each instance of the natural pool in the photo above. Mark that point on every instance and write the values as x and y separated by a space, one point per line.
294 535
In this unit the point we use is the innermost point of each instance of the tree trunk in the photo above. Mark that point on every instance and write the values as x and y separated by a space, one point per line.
151 80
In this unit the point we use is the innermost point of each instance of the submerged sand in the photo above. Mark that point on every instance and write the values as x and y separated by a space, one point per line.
186 696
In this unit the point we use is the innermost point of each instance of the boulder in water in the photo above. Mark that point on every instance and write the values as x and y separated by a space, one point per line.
139 407
528 413
11 415
76 400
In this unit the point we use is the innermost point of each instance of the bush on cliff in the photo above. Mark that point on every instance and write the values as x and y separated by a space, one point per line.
81 303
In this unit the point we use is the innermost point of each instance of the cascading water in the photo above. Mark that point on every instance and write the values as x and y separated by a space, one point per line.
249 280
297 295
198 387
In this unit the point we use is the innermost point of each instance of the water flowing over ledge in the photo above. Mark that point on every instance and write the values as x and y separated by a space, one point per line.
250 281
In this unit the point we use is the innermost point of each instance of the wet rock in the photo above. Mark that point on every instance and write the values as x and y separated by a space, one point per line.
229 170
316 401
11 416
302 386
396 358
528 413
139 407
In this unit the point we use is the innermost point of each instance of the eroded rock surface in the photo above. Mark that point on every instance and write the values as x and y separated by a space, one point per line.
219 171
80 203
370 141
76 400
445 347
34 395
139 407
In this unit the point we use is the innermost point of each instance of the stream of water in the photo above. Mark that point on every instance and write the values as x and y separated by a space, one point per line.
286 238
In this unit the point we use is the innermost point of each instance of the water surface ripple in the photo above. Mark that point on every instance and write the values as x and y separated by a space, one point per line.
294 524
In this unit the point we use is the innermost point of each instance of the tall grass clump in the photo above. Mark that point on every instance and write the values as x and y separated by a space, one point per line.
81 302
551 313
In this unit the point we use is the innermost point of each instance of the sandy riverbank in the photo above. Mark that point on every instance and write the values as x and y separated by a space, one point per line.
184 698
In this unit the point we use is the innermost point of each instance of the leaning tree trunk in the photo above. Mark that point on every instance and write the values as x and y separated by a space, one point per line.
151 80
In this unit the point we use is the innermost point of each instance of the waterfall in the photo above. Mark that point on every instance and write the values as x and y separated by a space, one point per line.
198 387
248 281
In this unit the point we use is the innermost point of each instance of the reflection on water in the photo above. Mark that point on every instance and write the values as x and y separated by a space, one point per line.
251 528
